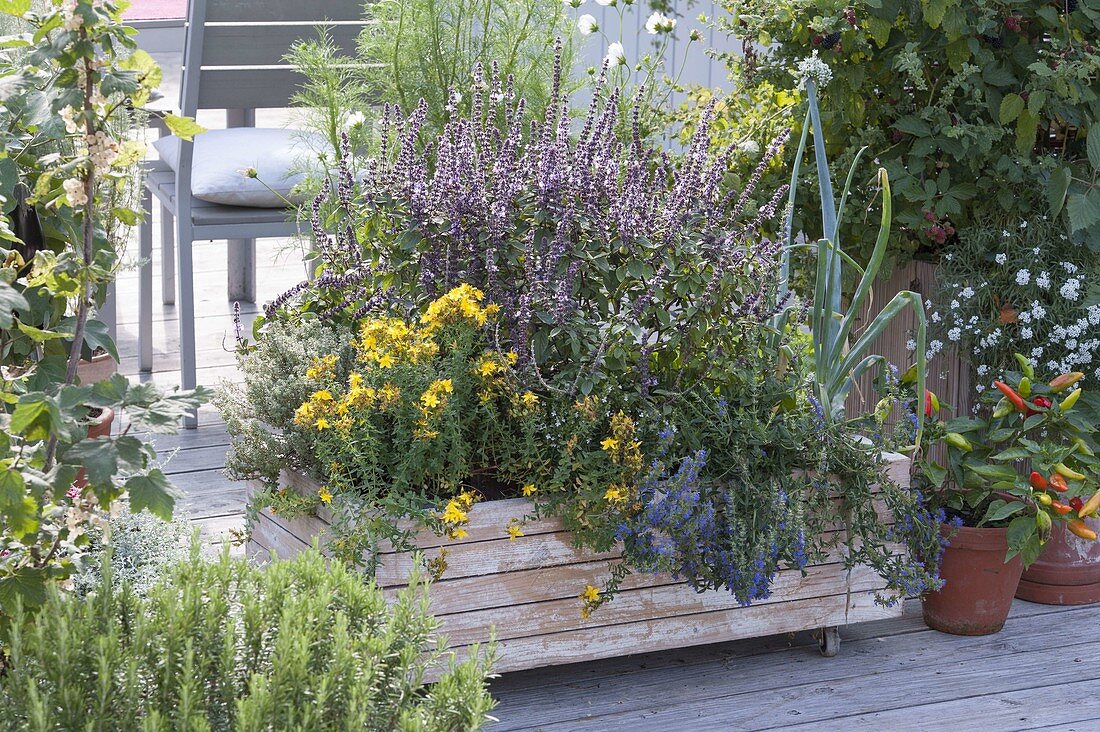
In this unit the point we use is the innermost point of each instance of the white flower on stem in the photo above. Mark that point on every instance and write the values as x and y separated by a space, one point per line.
355 119
572 3
1023 277
813 69
1001 258
74 192
695 35
1071 290
1069 267
954 334
910 345
659 23
967 292
606 3
1037 352
1043 280
983 370
1026 333
936 317
587 24
616 55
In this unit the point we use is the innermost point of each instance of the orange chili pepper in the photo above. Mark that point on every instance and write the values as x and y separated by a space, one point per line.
1060 508
1058 483
1078 527
1012 396
1038 481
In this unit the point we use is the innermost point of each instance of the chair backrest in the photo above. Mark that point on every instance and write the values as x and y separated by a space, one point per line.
233 57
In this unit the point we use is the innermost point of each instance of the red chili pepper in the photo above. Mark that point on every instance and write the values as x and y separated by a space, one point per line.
1058 483
1012 396
1060 508
1077 504
931 403
1042 402
1038 481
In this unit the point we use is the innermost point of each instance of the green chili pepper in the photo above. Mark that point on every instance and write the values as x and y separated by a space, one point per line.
958 441
1025 387
1069 401
1025 366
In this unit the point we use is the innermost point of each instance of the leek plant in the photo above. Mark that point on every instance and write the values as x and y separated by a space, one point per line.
838 364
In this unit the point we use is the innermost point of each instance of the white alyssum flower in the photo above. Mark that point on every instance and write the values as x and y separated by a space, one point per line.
1069 267
1037 352
967 292
587 24
1023 276
1001 258
1043 280
1026 333
910 345
659 23
983 370
616 55
813 69
1038 311
1071 289
936 317
954 304
954 334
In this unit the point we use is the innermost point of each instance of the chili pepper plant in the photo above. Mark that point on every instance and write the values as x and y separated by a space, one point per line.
1026 461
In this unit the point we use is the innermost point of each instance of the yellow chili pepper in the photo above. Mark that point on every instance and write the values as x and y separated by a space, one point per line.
1083 447
1078 527
1067 472
1044 498
1069 401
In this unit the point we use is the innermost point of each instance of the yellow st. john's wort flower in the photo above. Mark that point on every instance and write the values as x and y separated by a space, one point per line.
529 399
322 368
435 395
609 444
462 304
529 489
590 594
452 514
615 494
514 531
325 495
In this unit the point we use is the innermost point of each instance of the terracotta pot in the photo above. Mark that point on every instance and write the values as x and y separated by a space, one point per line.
99 426
99 368
1066 573
978 584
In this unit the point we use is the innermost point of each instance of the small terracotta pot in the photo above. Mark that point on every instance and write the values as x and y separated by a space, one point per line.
99 426
1066 573
101 367
978 583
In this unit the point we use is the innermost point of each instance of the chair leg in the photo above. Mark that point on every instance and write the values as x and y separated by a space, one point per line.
167 257
145 284
186 312
241 266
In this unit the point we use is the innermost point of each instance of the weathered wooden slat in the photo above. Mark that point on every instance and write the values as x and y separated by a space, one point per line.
284 11
645 602
267 45
662 633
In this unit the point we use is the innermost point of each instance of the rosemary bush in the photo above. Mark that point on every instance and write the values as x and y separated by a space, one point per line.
295 645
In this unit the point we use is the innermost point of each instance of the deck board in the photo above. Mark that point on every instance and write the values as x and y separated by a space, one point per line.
890 675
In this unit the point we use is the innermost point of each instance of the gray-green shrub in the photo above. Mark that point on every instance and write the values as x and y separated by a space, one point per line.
294 645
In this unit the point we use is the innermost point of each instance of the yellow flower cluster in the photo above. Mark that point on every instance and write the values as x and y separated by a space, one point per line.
322 369
317 411
463 303
386 342
432 402
621 445
587 408
456 514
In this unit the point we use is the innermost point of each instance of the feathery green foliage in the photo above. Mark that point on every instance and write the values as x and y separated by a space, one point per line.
294 645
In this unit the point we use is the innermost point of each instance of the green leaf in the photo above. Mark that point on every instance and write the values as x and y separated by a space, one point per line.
28 585
1026 126
1012 453
98 456
20 511
18 8
1093 146
1083 210
183 127
934 11
992 472
913 126
98 335
153 492
11 300
41 336
1000 510
879 29
1011 106
35 417
1021 528
1057 187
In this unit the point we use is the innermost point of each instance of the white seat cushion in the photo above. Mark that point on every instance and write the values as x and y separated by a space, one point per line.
222 156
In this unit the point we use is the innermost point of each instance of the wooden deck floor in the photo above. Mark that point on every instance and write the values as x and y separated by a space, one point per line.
1039 673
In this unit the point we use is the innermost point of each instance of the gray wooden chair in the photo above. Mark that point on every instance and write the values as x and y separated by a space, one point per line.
233 60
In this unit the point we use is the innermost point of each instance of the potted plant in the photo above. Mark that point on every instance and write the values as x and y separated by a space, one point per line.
65 160
1022 467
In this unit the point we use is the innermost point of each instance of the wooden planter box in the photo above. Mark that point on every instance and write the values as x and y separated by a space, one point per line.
526 591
